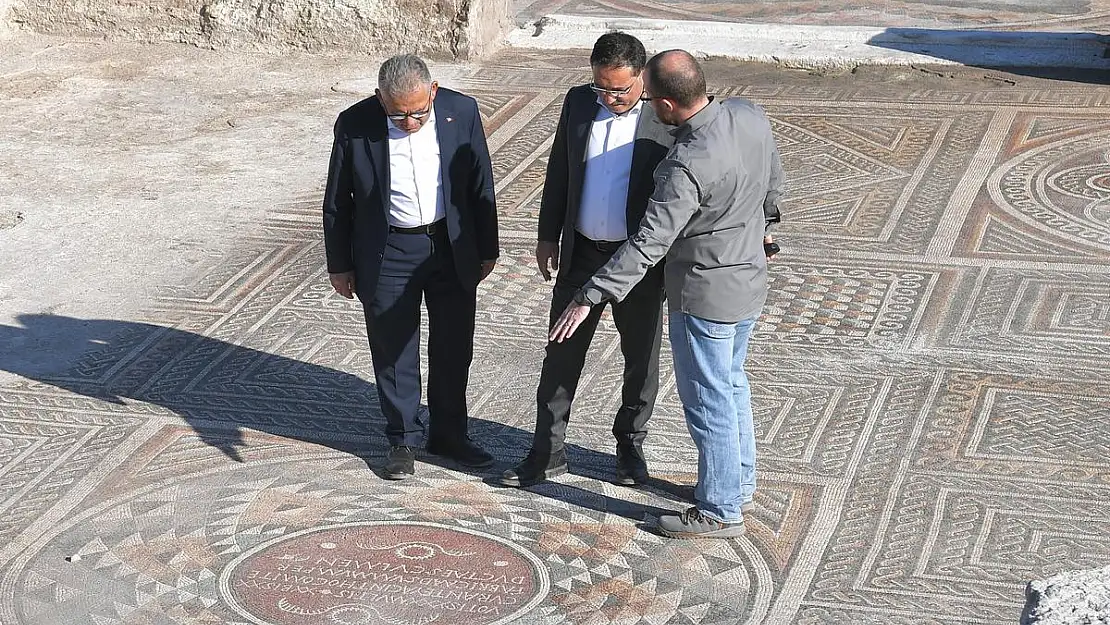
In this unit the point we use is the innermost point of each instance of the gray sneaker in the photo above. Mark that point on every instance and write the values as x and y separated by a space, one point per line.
693 524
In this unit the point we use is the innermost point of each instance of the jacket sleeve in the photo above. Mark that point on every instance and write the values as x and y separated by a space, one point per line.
339 205
484 202
772 211
673 204
553 203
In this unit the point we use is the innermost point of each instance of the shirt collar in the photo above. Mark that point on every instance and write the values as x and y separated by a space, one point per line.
634 110
699 120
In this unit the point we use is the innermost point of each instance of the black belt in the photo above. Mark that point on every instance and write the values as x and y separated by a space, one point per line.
607 247
428 229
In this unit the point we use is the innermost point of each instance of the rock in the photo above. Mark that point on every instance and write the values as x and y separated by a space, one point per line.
1070 598
437 29
10 218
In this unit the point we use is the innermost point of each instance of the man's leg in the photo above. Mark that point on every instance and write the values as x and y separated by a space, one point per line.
742 399
563 362
703 363
393 327
560 374
451 310
639 320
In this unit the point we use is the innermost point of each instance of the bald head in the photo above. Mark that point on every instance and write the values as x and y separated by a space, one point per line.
676 74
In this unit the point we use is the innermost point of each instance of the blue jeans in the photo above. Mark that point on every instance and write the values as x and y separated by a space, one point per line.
717 399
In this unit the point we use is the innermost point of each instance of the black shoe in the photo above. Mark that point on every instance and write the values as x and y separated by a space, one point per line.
464 451
631 466
399 463
535 469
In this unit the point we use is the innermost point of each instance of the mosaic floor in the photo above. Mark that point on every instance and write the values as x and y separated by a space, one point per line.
1070 16
929 377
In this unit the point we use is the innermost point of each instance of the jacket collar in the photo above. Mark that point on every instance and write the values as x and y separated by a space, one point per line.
700 120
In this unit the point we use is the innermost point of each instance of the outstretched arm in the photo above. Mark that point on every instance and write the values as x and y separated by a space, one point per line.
672 205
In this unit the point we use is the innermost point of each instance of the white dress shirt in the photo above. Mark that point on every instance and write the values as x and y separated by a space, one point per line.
601 214
415 178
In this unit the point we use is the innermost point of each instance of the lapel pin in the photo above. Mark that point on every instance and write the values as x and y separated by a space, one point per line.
450 119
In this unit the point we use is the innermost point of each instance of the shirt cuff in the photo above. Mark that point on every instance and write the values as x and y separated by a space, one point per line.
589 295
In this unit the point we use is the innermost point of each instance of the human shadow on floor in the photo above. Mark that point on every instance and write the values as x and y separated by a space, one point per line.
221 390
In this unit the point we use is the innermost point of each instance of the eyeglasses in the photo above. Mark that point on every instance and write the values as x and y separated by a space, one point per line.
611 92
417 115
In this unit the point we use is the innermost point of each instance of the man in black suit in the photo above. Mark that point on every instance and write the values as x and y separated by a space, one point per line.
599 179
409 213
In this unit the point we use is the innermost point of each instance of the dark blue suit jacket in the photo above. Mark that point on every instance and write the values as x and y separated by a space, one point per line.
356 201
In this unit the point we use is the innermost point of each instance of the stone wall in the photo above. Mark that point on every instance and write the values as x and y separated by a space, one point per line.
439 29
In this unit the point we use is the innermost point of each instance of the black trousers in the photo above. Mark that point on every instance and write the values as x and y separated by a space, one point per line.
419 267
639 321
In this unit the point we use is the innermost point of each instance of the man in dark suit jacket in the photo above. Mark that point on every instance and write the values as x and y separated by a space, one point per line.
409 213
599 179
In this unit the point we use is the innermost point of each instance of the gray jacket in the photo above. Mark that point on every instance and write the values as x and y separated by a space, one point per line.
716 194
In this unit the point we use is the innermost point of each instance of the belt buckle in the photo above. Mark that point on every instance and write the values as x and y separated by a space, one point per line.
430 229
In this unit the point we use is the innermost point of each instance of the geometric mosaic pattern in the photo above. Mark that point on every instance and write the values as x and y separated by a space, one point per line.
928 377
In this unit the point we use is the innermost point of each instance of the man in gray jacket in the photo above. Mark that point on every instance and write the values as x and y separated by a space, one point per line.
716 194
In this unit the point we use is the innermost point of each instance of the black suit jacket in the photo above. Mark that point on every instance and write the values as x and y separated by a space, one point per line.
356 201
566 168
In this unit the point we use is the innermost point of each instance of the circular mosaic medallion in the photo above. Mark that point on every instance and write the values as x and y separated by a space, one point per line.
1062 187
402 573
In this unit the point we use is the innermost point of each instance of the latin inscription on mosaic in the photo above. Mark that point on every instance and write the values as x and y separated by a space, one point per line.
403 573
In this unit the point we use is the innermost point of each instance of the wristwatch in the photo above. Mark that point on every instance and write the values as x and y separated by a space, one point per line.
580 298
770 249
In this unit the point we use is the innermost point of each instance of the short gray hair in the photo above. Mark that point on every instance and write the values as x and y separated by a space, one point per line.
403 74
